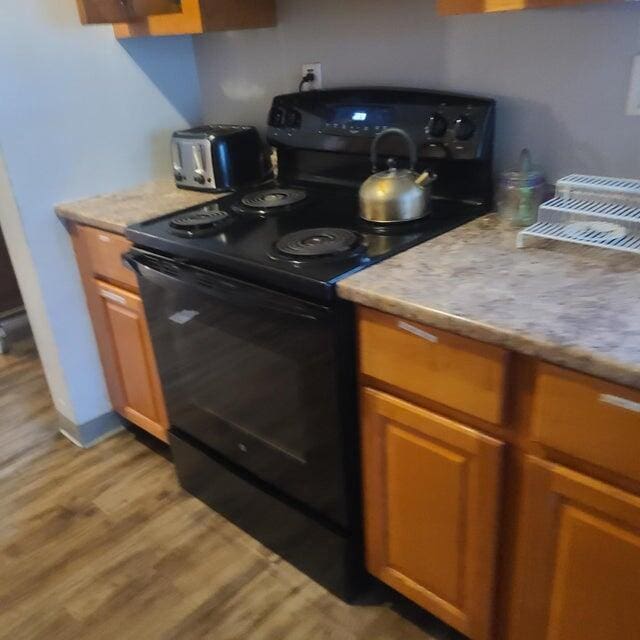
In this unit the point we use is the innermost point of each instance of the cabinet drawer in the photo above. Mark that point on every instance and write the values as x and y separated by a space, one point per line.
461 373
105 255
587 418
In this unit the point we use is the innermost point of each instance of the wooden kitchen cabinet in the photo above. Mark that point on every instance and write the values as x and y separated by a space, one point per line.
431 497
588 419
109 11
453 7
104 254
578 560
120 327
468 448
452 371
139 397
200 16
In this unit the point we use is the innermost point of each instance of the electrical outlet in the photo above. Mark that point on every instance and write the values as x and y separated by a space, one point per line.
633 101
316 69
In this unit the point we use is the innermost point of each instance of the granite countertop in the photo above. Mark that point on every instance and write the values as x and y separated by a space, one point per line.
575 306
116 211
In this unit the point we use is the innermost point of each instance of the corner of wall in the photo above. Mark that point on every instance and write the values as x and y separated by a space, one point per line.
27 277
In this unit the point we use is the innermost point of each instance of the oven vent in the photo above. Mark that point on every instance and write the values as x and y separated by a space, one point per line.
214 281
204 280
167 267
600 189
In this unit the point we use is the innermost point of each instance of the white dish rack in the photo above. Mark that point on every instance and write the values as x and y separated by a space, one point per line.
589 210
599 189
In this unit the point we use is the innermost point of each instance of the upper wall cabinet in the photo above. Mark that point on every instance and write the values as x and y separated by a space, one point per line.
451 7
108 11
133 18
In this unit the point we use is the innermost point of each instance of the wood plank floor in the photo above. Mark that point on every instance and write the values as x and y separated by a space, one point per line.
104 544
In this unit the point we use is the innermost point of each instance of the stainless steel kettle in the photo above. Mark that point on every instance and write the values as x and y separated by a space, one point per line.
395 195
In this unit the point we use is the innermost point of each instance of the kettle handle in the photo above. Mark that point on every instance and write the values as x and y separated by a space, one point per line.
413 152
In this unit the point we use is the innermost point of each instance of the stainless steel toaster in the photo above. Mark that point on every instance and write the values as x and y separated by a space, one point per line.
219 158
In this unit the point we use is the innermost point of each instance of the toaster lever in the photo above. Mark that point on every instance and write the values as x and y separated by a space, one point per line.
198 163
176 157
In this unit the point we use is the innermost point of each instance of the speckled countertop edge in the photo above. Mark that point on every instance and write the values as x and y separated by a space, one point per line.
116 211
567 356
401 285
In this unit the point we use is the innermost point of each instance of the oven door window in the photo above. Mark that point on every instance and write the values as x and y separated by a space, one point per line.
251 374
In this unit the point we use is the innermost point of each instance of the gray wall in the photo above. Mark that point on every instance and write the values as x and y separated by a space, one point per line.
560 75
80 114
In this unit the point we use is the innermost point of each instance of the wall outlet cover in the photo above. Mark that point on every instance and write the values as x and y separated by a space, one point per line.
316 69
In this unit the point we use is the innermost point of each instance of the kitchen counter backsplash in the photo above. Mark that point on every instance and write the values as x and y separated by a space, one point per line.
574 306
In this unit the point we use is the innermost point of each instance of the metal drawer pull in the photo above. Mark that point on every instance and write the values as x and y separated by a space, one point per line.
622 403
104 238
114 297
421 333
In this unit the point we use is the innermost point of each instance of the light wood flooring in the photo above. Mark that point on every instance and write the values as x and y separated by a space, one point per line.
103 543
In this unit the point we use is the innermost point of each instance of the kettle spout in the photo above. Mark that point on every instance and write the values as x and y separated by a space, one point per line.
425 177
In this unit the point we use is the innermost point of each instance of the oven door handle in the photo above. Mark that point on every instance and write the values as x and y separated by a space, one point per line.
226 289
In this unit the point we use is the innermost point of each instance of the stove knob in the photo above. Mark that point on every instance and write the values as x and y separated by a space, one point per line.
276 117
293 119
178 176
199 179
464 128
437 125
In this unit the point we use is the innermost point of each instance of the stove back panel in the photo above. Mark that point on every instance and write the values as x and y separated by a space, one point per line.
469 180
326 136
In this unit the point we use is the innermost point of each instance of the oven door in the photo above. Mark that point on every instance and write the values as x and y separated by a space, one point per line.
251 373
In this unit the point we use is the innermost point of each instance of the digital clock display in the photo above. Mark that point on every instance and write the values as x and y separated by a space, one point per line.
373 115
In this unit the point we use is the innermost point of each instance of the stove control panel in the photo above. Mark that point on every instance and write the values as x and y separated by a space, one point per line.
444 126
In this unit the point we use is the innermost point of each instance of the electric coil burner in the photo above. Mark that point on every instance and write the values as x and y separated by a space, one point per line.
270 199
320 242
199 222
255 350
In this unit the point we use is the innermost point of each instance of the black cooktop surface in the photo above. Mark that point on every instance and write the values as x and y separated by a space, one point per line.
294 237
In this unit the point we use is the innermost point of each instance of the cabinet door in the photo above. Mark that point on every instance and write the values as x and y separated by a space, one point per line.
109 11
431 510
140 396
578 561
198 16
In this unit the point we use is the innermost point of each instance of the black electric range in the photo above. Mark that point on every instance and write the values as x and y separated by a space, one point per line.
299 239
256 353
